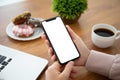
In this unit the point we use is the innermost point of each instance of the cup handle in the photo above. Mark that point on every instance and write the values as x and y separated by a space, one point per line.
118 34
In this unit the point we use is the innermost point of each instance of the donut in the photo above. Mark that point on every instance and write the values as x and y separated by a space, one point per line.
21 18
22 30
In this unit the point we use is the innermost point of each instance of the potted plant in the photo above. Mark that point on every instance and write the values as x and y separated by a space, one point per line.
69 10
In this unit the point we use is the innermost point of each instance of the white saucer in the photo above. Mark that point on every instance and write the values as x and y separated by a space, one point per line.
37 33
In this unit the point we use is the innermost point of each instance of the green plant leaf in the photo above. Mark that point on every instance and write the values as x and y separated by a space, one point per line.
69 8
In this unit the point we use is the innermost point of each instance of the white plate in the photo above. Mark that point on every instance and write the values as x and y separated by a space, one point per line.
37 33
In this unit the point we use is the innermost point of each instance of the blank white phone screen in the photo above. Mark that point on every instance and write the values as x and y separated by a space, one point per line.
60 40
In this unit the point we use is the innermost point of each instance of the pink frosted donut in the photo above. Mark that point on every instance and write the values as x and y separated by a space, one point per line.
23 30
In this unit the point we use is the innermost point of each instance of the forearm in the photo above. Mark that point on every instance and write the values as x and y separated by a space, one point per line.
104 64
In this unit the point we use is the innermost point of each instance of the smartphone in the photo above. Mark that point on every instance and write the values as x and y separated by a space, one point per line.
60 40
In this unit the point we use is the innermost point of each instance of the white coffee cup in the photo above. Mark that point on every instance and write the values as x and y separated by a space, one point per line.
104 35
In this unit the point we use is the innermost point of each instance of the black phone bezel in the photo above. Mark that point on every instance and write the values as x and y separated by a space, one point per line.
47 20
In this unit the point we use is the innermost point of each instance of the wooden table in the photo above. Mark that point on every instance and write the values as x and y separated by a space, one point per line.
99 11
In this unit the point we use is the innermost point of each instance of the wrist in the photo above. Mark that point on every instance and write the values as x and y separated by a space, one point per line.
83 58
86 56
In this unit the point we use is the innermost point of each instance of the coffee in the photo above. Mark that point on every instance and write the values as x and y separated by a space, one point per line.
104 35
104 32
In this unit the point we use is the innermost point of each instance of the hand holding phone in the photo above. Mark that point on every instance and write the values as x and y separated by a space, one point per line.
60 40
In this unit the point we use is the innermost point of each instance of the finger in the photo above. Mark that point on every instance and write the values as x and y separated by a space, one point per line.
54 58
50 51
47 42
73 73
74 70
52 55
73 76
56 65
68 68
43 36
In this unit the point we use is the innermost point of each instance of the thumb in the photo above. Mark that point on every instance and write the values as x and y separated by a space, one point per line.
68 68
72 33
